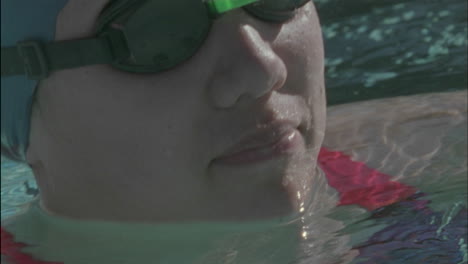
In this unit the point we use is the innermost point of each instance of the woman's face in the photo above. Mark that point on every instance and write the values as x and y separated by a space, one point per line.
187 143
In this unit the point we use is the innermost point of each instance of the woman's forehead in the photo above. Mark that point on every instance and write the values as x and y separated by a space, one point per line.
92 5
86 10
78 18
86 5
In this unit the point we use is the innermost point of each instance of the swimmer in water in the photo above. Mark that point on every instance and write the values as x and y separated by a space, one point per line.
225 126
166 112
211 112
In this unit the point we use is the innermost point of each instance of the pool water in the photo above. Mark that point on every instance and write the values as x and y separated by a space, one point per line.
421 141
385 48
375 49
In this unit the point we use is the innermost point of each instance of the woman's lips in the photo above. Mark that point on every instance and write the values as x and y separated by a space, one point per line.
264 145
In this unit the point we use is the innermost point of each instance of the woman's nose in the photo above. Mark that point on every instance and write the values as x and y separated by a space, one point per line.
249 71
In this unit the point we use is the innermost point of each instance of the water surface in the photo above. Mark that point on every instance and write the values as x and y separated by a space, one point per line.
375 49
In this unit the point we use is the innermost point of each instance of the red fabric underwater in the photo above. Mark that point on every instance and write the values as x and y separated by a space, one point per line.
12 251
356 183
359 184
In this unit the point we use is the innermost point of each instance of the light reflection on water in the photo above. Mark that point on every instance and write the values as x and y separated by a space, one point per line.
15 179
376 49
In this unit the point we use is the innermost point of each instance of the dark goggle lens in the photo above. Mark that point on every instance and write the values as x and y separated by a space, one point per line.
280 5
140 36
158 34
275 11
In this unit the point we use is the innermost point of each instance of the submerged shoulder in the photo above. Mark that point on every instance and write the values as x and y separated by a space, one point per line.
418 139
397 110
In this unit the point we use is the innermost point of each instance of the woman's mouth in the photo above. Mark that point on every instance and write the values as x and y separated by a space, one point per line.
274 142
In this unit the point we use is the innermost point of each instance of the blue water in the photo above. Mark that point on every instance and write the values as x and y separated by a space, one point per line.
375 49
386 48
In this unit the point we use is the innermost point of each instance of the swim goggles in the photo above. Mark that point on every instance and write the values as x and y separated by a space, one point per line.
138 36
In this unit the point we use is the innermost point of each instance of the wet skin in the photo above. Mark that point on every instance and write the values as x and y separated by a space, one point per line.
112 145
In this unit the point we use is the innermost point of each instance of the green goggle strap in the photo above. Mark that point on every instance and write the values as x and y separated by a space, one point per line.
36 59
218 7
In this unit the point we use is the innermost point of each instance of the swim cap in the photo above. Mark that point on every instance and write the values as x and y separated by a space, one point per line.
22 20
